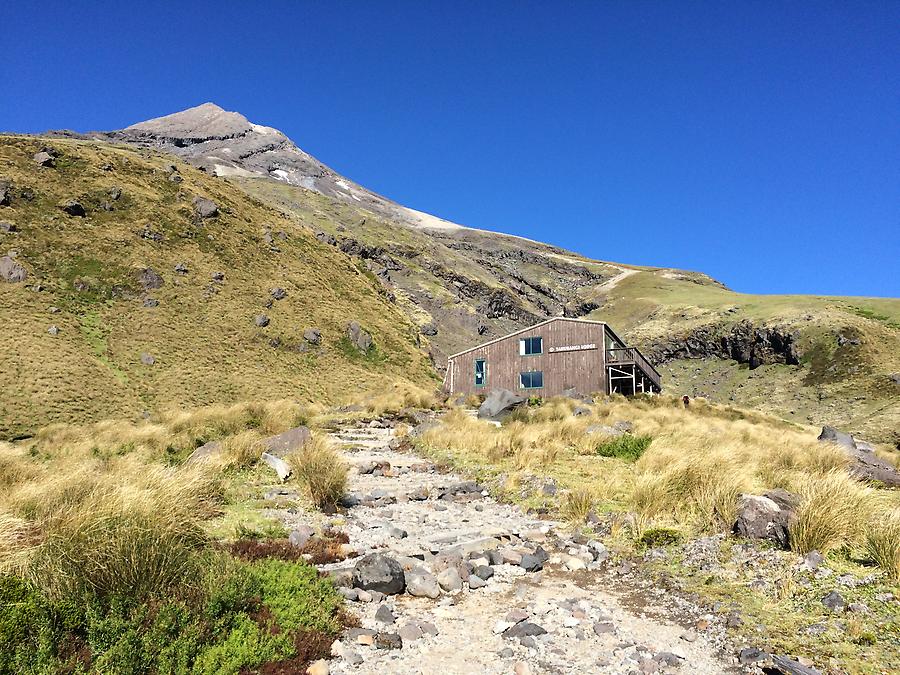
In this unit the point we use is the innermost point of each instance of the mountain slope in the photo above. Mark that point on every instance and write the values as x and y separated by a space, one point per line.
123 343
822 360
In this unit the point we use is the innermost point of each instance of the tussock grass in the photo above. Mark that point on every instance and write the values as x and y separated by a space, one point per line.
882 542
577 504
321 471
399 396
692 466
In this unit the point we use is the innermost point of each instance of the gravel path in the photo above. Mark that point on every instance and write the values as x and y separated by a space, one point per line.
570 614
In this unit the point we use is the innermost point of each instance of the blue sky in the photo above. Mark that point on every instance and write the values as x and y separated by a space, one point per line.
758 142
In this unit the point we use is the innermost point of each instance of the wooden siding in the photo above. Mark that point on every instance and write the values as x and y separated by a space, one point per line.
583 370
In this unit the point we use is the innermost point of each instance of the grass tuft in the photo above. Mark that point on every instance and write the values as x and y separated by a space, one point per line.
321 470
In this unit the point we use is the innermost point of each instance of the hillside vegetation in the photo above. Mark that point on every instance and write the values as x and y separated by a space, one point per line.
90 334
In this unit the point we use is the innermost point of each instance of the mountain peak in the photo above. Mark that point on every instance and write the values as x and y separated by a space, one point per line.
201 122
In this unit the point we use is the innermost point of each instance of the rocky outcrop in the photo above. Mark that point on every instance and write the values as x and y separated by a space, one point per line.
5 192
205 208
744 343
358 337
865 464
12 271
762 518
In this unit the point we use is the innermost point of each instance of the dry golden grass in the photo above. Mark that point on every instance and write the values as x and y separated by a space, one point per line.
400 395
577 504
883 541
699 461
321 471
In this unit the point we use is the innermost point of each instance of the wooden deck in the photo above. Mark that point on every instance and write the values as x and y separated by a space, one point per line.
631 356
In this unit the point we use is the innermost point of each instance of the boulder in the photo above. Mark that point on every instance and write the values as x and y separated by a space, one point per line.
44 158
149 278
359 337
449 580
421 584
783 664
313 336
278 293
281 467
261 320
499 403
378 572
8 228
834 601
523 629
762 518
866 465
832 435
300 535
12 271
147 359
205 208
5 192
74 208
429 329
288 441
204 451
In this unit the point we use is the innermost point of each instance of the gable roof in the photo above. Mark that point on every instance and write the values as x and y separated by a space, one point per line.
525 330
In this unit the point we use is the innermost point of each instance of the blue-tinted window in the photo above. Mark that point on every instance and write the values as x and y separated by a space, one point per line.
530 345
532 380
480 372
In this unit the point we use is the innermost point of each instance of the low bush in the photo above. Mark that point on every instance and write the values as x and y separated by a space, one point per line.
626 446
653 537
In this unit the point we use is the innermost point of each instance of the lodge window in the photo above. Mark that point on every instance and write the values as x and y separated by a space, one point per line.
530 346
480 372
533 379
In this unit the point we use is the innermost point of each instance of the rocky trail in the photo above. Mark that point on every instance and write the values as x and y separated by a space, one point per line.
447 580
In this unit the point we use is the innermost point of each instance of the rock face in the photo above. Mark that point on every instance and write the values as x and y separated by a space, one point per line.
498 403
865 463
11 271
377 572
761 517
744 343
205 208
358 337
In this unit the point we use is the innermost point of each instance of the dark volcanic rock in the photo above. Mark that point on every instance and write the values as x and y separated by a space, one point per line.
149 278
74 208
377 572
866 464
744 343
762 518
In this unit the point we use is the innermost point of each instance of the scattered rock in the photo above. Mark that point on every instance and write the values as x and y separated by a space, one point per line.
147 359
300 535
476 582
181 268
812 560
379 572
750 655
278 293
790 667
604 627
761 518
5 192
866 465
388 641
834 601
523 629
498 403
8 228
421 584
449 580
313 336
261 320
218 276
385 615
281 467
149 278
205 208
11 271
358 337
319 667
287 441
53 330
410 632
44 159
74 208
151 302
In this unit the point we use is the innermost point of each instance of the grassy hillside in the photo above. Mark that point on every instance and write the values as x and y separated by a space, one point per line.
84 278
849 348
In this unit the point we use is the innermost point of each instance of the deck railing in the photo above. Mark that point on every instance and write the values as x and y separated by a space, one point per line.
629 355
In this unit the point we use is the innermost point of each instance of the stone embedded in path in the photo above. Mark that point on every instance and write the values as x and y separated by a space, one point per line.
750 655
378 572
604 627
410 632
421 584
523 629
388 641
384 614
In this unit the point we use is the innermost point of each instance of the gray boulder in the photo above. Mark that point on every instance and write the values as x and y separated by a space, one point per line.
762 518
44 158
523 629
359 337
865 464
834 601
313 336
286 442
261 320
11 271
205 208
5 192
149 278
204 451
53 330
300 535
147 359
278 293
8 228
378 572
832 435
783 664
499 403
279 465
450 580
421 584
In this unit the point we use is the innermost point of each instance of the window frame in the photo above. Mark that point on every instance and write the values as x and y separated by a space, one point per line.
483 373
531 373
526 342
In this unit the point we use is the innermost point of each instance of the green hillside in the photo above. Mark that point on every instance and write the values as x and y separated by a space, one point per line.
200 333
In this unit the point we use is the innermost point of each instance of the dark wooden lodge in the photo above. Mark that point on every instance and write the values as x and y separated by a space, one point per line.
556 356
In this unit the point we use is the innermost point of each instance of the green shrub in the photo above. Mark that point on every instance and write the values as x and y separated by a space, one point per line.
626 446
297 596
659 536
